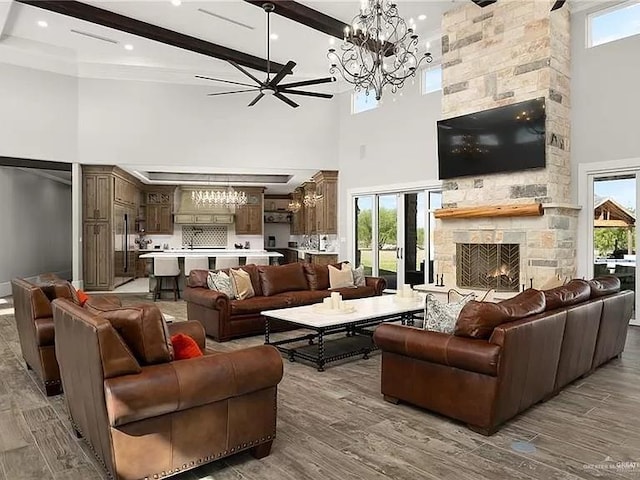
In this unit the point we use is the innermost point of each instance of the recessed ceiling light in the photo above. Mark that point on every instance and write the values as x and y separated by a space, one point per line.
176 3
422 17
128 46
43 24
273 36
332 41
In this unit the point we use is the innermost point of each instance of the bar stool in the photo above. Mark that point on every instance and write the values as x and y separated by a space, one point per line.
257 260
166 268
195 263
227 262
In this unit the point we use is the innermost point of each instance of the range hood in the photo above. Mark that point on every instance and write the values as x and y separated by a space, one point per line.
189 214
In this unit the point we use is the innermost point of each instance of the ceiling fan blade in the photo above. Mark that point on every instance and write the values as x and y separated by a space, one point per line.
225 81
286 100
234 91
248 74
288 68
558 4
306 94
307 83
256 100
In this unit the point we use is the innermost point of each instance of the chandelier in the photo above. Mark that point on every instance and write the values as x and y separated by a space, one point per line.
294 206
378 50
310 200
213 198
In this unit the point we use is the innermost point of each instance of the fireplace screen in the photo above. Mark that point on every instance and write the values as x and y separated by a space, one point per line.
488 265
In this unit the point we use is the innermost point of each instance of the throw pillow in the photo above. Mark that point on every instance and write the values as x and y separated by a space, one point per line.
221 282
184 347
442 317
82 297
340 278
241 284
358 276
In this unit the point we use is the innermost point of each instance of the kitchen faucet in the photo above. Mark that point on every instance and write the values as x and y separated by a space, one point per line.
196 231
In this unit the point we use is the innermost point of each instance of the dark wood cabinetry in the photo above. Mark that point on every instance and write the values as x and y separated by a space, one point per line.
159 210
249 217
97 188
297 220
326 210
97 255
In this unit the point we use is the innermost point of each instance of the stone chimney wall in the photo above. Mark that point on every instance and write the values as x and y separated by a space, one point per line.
509 52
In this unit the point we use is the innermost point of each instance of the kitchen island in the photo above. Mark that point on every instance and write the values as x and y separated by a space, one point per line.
211 253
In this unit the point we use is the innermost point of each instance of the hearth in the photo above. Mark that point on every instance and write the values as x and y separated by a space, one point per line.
488 265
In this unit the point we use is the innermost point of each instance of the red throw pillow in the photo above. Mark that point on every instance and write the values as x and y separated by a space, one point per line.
82 297
184 347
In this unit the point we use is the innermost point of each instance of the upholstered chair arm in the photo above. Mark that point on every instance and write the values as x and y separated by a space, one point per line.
184 384
378 283
207 298
45 334
193 328
465 353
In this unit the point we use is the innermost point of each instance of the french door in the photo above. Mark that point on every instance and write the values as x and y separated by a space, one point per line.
393 235
614 200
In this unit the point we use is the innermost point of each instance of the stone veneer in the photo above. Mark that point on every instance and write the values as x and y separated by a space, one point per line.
511 51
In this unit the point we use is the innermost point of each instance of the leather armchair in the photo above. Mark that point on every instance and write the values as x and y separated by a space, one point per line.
145 415
34 321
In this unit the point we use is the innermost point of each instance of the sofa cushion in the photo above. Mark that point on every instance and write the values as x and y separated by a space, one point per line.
340 277
221 282
305 297
254 274
255 305
282 278
349 293
317 276
478 319
575 291
605 285
185 347
144 330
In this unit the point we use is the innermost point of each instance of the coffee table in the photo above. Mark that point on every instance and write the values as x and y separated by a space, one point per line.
368 312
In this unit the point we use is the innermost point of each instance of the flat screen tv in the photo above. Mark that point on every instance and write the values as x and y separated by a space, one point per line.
502 139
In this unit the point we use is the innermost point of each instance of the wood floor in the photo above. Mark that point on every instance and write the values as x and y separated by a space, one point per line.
335 426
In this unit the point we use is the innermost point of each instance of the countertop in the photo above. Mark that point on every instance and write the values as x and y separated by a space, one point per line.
212 253
313 252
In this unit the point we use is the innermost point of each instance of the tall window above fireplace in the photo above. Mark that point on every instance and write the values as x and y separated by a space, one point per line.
488 265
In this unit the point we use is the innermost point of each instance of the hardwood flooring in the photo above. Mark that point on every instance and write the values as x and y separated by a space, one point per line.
335 426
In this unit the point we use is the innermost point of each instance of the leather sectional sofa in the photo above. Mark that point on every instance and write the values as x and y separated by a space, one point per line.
277 286
531 347
147 416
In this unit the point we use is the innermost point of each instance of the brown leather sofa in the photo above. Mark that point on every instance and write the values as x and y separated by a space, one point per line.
34 320
146 416
526 350
277 286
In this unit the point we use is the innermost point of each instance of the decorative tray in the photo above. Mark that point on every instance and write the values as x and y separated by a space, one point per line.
320 308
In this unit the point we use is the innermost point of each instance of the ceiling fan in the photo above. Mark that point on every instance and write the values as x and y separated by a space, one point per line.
484 3
272 86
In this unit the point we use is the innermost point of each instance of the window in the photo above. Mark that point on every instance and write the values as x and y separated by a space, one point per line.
613 24
361 102
431 79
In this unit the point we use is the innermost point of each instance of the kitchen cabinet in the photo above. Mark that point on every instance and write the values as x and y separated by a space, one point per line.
322 259
249 217
326 211
97 255
96 205
297 220
125 192
159 210
203 219
309 189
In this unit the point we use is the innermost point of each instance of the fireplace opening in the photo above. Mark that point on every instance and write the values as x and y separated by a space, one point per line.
488 265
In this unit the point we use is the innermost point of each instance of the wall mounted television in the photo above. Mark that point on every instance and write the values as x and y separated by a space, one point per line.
503 139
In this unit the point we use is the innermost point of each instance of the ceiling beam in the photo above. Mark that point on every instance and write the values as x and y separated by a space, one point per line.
99 16
32 163
312 18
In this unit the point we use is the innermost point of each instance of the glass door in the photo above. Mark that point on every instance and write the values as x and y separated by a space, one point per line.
390 250
363 233
615 200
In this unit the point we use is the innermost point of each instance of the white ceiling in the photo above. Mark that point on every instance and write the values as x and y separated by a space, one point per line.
150 60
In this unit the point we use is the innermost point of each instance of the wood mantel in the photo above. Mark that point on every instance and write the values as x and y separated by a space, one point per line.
518 210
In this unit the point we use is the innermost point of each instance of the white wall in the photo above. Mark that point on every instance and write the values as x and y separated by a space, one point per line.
36 226
39 114
605 99
163 124
395 143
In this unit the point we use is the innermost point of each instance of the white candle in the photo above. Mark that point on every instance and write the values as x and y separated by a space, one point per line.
327 302
335 299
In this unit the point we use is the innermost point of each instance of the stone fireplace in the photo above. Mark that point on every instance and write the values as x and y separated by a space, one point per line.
508 52
488 266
